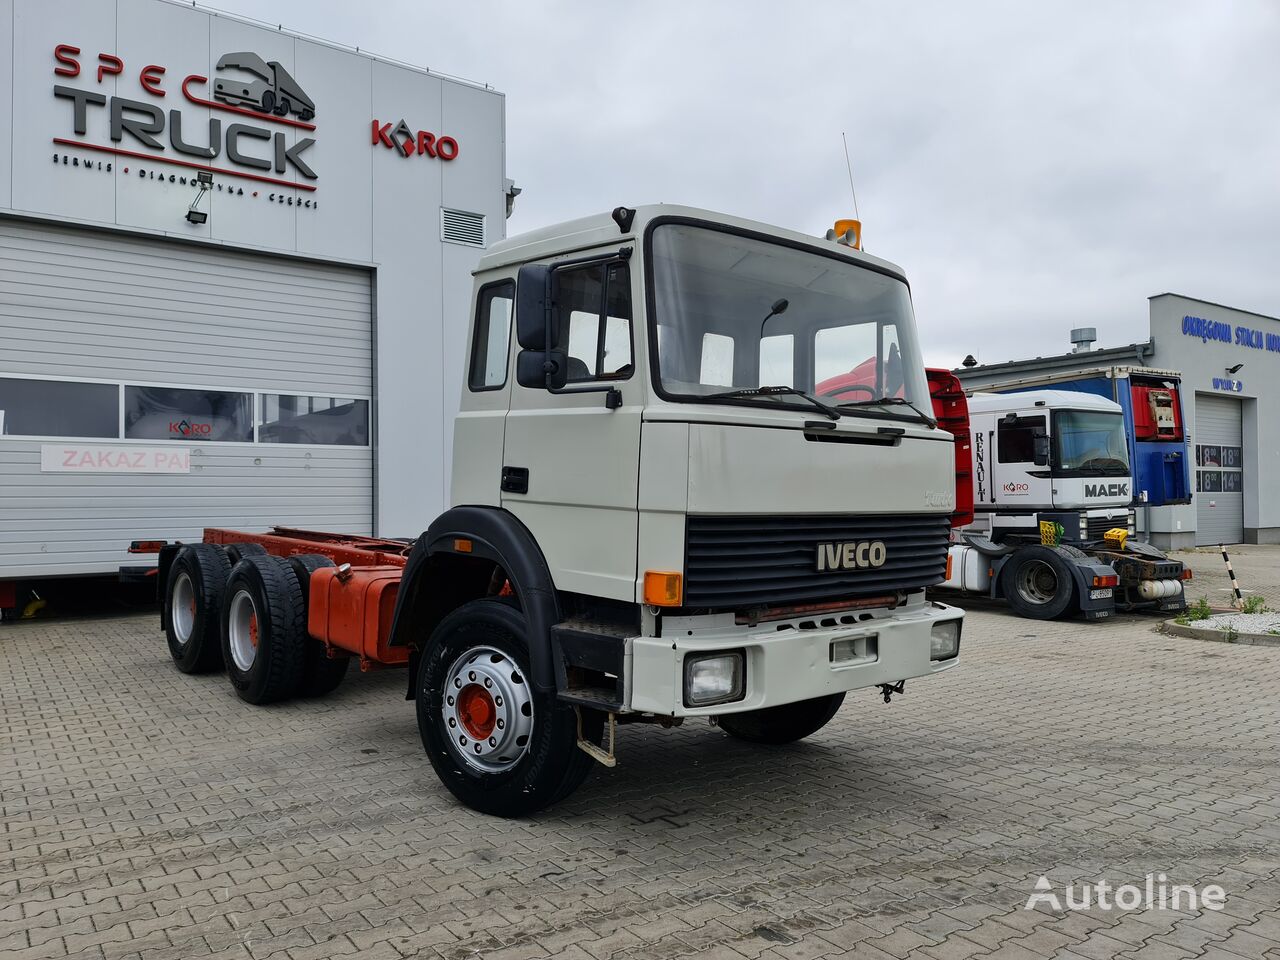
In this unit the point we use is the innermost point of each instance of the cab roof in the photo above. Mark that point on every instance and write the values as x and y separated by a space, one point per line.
1026 402
601 230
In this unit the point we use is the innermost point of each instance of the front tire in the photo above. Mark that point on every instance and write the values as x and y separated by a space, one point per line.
784 724
263 630
501 746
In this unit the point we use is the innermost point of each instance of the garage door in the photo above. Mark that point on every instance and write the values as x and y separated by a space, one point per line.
226 389
1219 470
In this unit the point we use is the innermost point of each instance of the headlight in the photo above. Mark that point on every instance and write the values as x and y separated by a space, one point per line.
944 640
714 678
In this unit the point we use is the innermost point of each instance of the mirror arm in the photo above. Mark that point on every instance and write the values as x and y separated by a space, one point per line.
612 400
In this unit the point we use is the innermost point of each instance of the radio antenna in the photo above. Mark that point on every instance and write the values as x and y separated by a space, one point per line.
849 167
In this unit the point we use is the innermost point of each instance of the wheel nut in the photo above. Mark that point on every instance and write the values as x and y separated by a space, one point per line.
450 699
477 748
498 701
501 723
492 742
462 741
488 682
472 676
453 722
457 682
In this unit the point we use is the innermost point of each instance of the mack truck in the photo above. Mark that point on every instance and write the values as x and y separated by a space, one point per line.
1150 401
1053 529
656 516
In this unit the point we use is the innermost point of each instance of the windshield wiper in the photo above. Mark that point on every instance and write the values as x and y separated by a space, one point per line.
748 392
892 402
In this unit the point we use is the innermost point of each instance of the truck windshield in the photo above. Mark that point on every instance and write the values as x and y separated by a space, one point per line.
1089 443
735 313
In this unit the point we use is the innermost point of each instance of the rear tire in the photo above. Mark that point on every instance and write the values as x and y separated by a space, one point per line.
1038 583
263 629
193 607
321 673
785 724
498 744
268 101
238 551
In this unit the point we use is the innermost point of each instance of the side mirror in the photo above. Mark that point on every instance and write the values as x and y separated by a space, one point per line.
542 370
535 321
1040 450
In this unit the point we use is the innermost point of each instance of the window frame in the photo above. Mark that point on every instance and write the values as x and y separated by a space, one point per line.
88 381
481 294
254 392
1021 423
606 265
781 402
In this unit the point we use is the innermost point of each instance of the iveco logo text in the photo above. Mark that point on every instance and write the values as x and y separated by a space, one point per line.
1106 489
852 555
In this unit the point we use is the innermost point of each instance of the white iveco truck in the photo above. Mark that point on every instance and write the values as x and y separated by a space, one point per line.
694 475
1053 529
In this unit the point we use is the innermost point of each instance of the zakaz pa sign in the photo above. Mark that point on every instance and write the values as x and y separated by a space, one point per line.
260 92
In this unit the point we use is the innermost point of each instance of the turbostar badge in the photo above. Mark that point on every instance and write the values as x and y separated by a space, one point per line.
852 555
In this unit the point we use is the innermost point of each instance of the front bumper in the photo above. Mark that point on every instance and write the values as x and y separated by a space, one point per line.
786 661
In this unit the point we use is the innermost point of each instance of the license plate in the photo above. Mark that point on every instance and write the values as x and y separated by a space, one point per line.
1104 594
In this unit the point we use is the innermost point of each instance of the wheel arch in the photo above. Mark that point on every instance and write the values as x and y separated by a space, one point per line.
439 577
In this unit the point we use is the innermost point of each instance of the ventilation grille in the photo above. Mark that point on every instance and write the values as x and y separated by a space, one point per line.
737 562
458 226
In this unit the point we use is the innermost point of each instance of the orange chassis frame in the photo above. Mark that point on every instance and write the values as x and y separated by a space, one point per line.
350 605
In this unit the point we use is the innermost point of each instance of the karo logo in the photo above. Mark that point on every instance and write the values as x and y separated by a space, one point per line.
185 428
399 137
1012 487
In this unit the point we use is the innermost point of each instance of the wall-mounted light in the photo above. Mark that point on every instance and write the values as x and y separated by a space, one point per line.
1235 369
204 182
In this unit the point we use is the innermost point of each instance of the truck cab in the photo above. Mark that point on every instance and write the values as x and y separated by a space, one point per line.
1050 455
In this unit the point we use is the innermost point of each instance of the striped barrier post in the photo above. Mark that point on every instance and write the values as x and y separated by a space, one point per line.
1239 601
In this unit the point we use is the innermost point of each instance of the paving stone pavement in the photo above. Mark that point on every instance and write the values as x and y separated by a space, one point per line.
146 814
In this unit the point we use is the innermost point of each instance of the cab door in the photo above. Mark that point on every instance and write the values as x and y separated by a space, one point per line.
571 456
1018 480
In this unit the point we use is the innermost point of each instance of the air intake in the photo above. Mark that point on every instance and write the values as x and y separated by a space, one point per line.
458 226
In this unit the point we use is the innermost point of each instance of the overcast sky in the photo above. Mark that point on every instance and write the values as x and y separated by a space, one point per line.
1033 166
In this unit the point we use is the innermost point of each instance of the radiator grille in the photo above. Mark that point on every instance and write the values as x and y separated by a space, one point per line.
1097 527
737 562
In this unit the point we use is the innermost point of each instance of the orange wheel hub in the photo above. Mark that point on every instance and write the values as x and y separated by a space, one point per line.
476 711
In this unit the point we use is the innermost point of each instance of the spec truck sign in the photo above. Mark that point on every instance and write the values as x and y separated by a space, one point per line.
78 458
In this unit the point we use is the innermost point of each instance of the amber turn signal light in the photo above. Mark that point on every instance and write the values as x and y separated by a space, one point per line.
663 588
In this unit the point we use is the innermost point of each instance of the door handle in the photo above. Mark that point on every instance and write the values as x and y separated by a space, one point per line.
515 479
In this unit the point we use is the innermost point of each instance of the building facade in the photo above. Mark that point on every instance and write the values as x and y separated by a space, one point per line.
1229 362
235 268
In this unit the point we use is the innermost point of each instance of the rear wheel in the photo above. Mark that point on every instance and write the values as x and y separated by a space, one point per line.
321 673
192 605
784 724
263 629
238 551
501 746
268 101
1037 582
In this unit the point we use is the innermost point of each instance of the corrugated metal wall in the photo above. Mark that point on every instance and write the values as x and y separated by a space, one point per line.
1219 510
102 306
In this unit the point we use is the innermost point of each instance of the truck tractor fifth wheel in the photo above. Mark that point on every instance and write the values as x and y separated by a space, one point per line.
498 744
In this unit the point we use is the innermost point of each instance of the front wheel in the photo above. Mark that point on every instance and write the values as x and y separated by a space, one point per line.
784 724
501 746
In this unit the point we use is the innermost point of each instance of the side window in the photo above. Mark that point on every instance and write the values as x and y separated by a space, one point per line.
594 305
59 408
493 336
174 413
1015 439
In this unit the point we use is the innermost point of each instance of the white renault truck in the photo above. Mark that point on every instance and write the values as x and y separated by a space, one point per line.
657 513
1053 530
